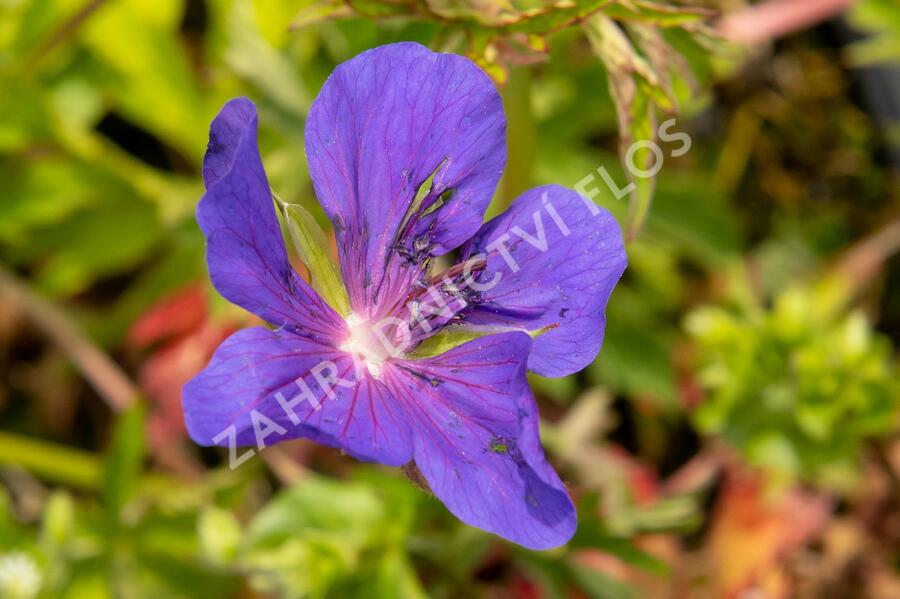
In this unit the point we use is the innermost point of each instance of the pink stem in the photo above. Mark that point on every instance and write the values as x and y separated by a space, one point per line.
776 18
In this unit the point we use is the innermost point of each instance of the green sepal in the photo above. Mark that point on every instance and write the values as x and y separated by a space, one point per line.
311 246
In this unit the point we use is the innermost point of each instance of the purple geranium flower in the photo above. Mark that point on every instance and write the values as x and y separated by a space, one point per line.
533 283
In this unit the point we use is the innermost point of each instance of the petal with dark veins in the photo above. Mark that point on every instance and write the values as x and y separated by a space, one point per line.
475 433
383 123
553 260
256 372
245 250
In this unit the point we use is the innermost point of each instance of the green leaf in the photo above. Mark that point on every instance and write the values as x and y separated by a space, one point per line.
593 533
621 547
395 578
159 574
320 11
58 520
312 247
94 243
636 362
317 504
625 550
9 528
73 185
633 85
599 585
147 71
124 460
219 534
311 536
53 462
659 15
373 9
556 16
560 389
698 217
253 58
445 340
882 19
677 513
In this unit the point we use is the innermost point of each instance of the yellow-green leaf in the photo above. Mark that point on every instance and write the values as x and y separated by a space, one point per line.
632 84
312 247
445 340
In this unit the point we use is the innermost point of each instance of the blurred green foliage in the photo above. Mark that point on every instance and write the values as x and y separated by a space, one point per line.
882 18
797 389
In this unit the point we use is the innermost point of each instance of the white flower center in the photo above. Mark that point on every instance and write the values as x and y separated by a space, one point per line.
365 345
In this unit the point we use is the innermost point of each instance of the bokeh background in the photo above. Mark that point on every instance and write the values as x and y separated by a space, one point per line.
737 436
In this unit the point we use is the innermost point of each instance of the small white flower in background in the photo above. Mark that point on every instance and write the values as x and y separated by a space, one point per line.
20 577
